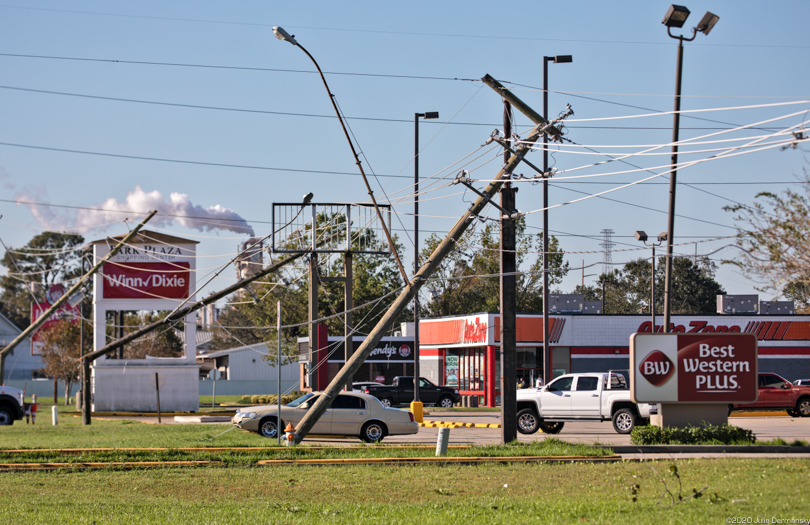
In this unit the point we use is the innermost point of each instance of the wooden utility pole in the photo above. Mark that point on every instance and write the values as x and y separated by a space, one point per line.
442 250
71 292
508 299
193 307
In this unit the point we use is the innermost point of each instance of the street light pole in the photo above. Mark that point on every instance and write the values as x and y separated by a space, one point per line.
559 59
281 34
676 16
416 371
641 236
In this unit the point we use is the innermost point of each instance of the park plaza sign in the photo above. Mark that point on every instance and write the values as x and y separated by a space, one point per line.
693 368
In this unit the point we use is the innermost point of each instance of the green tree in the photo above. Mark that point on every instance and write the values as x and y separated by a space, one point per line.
46 259
60 351
251 316
773 234
627 290
468 279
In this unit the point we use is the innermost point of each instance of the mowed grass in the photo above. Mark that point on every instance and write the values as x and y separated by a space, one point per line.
449 494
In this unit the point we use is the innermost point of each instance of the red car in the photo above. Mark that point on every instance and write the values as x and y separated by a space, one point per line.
777 393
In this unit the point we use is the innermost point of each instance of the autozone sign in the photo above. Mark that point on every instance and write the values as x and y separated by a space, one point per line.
693 368
146 280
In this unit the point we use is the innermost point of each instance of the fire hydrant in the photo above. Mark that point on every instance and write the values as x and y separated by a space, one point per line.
289 437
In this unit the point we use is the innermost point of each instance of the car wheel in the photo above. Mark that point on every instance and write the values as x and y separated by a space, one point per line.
551 428
624 420
5 417
803 407
372 432
268 427
527 421
386 402
445 402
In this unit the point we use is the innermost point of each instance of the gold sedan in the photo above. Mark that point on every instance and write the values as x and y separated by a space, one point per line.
351 414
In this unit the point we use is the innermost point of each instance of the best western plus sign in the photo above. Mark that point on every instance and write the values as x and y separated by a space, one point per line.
695 368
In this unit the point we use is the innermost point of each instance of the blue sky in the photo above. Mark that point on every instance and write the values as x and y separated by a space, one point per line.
93 93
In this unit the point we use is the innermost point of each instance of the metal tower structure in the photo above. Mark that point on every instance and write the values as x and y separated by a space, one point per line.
607 245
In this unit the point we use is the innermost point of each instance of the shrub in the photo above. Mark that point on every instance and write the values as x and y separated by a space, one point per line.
708 435
269 399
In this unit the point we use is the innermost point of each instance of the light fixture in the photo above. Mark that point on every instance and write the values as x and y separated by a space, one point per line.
707 22
663 236
676 17
640 236
285 36
562 59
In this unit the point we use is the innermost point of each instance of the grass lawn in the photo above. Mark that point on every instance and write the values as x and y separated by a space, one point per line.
514 493
237 490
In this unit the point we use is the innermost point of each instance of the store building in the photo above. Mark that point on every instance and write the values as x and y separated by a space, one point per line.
464 351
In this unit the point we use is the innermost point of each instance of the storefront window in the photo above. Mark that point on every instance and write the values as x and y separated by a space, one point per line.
451 368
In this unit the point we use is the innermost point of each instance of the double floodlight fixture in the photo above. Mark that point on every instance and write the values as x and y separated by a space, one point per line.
676 17
641 236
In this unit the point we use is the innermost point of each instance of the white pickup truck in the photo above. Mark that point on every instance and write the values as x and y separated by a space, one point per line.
580 397
11 405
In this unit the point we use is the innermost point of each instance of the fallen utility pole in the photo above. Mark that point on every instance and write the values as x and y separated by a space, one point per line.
70 293
179 314
353 365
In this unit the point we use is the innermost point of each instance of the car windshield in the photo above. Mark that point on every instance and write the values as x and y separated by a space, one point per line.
306 398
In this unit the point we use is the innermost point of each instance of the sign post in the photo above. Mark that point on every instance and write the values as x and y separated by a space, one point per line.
695 377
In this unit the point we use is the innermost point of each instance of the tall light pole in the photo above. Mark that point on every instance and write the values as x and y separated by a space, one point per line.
559 59
282 35
641 236
676 16
416 372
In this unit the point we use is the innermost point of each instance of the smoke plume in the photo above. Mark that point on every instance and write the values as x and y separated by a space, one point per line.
178 208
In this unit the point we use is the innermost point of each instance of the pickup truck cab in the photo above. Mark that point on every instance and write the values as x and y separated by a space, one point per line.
777 393
400 392
580 397
11 405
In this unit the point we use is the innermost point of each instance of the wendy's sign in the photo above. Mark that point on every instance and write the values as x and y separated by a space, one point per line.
146 280
693 368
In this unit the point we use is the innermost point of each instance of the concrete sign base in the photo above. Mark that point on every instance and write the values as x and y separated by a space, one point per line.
686 414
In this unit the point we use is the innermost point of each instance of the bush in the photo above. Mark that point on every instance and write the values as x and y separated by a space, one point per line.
708 435
268 399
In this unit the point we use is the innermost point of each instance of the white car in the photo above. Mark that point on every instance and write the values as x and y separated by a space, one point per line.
802 382
351 414
359 386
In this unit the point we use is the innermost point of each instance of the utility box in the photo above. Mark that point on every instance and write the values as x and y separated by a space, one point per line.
566 303
737 304
777 308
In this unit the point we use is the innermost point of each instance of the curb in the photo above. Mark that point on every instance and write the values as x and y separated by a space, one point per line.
451 424
708 449
17 467
444 460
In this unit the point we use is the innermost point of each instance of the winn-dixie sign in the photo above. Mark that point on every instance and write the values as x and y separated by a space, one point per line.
693 368
146 280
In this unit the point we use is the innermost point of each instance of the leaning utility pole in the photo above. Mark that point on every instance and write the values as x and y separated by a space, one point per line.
193 307
442 250
70 293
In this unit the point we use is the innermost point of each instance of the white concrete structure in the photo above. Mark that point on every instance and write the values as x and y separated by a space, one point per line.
154 272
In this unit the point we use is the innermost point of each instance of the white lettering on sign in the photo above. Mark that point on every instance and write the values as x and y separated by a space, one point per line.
656 368
148 282
150 253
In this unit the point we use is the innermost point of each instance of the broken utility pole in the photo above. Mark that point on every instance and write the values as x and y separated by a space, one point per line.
181 313
70 293
442 250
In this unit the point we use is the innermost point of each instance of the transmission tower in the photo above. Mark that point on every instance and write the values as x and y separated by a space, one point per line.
607 245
